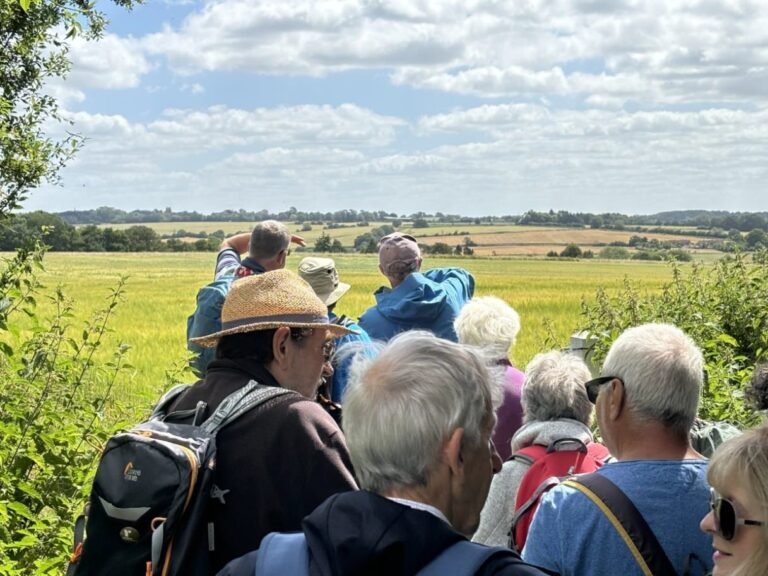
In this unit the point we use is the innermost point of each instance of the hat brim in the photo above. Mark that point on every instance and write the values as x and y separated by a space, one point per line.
212 340
333 297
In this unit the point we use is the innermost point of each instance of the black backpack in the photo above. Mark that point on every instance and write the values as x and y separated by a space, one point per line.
148 511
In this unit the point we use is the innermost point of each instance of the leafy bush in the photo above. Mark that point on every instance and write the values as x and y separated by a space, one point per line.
614 253
55 414
571 251
721 307
646 255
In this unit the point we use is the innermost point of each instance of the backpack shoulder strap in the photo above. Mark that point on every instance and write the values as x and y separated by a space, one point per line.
463 558
241 401
166 400
626 520
529 454
283 554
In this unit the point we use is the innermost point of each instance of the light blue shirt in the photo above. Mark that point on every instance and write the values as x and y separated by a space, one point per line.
571 536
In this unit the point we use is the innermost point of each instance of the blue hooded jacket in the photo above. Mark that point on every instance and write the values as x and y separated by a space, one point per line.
429 301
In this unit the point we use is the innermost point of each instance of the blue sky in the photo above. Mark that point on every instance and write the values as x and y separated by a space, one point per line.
475 107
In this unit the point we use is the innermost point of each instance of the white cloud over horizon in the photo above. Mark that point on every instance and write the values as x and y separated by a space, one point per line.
630 105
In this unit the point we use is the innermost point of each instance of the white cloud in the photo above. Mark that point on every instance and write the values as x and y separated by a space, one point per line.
112 62
507 158
194 88
648 51
599 105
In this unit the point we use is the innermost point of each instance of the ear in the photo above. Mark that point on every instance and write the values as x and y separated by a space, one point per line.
616 397
280 345
453 451
418 264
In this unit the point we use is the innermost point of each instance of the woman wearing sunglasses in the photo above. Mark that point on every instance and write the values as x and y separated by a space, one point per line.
738 520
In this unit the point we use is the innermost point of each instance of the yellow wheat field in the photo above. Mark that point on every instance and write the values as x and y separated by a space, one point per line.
161 287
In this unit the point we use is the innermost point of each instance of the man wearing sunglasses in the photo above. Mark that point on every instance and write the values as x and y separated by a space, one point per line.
645 402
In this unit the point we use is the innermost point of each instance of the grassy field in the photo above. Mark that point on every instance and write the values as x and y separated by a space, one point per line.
161 288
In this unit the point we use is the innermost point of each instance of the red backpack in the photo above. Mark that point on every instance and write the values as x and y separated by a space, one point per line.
549 465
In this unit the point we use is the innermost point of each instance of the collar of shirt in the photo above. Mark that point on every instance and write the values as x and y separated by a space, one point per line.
420 506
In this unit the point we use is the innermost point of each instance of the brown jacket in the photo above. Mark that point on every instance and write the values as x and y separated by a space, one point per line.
275 464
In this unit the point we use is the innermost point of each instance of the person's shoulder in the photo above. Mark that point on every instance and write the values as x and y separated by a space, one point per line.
303 413
509 563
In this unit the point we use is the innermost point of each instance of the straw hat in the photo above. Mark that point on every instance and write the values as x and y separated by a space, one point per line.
267 301
321 274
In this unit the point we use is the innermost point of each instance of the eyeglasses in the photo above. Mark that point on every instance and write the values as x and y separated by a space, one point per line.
593 386
329 348
726 518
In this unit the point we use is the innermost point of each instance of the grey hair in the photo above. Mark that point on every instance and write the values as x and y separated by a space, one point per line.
268 239
554 388
490 323
401 406
662 370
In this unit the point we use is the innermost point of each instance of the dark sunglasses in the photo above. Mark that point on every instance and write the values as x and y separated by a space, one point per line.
726 518
593 386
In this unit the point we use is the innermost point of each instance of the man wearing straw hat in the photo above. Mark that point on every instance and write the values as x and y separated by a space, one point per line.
321 274
276 463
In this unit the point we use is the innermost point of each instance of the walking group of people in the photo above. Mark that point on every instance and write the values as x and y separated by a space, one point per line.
452 460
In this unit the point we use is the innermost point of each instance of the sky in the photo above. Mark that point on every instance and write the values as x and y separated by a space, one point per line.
471 107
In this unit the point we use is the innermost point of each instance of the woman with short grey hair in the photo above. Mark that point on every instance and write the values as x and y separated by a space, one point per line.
491 324
555 407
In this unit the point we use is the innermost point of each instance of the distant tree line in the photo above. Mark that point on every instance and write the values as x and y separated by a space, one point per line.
63 237
107 215
708 223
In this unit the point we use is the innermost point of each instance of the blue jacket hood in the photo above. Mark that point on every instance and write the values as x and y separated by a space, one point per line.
428 301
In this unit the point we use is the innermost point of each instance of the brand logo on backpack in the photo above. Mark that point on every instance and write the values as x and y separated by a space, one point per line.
130 473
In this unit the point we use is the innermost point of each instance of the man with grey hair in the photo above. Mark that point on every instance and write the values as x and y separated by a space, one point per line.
646 402
268 247
419 419
415 301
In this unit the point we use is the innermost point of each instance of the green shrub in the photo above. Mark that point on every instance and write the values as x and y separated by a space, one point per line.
571 251
55 415
722 307
614 253
647 255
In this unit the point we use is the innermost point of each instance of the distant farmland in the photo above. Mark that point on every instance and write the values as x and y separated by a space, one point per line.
490 240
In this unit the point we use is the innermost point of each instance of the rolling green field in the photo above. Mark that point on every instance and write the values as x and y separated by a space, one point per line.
161 287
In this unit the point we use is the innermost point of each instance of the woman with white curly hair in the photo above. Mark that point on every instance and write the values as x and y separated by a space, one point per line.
556 409
491 324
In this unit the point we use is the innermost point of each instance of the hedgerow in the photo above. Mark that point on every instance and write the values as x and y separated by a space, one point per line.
724 308
55 415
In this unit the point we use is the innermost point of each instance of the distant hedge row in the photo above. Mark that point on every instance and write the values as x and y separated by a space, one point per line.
63 237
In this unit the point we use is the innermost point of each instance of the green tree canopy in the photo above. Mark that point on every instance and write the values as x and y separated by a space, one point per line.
34 37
